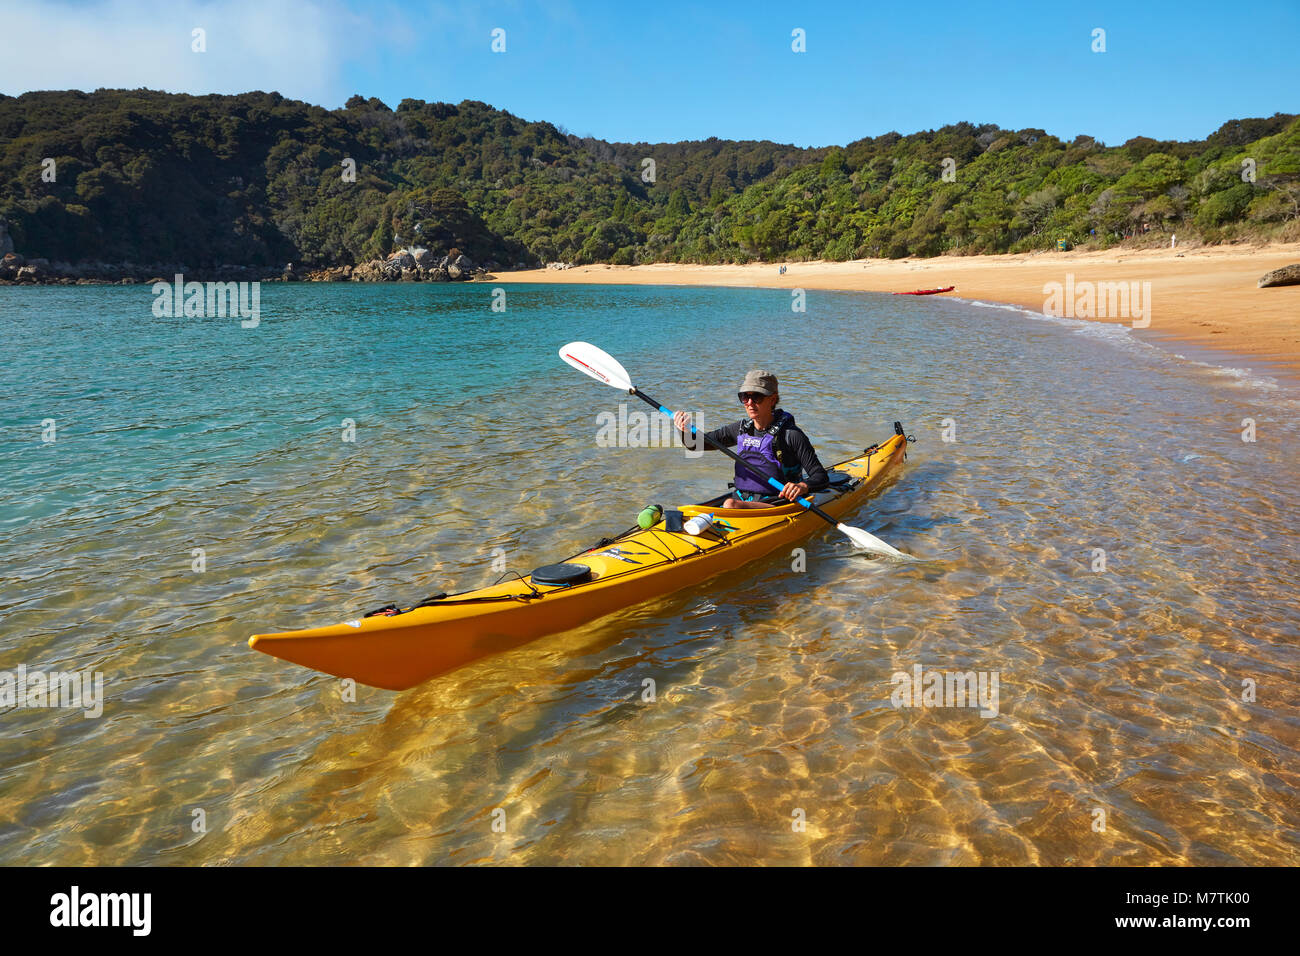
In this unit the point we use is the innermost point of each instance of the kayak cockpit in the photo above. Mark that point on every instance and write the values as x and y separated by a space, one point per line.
840 482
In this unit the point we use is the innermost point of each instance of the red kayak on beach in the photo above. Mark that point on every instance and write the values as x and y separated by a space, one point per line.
947 288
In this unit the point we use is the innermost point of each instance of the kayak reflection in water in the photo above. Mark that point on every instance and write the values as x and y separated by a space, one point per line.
770 442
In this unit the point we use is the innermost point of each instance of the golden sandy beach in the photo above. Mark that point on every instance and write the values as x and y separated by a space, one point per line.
1204 297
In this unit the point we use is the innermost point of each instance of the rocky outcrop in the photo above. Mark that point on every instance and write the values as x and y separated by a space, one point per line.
401 260
6 240
1287 275
43 271
417 265
367 272
337 274
406 265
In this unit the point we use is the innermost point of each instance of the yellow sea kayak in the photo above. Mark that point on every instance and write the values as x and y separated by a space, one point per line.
399 650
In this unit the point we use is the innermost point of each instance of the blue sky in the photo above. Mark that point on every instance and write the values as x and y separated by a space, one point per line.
667 71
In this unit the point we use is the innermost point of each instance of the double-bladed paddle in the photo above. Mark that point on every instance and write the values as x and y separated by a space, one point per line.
603 367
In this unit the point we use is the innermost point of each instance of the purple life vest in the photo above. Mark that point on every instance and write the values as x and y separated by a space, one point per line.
764 453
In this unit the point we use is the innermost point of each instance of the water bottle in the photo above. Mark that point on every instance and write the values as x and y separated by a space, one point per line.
699 524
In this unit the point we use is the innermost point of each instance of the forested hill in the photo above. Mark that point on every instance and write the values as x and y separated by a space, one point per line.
256 179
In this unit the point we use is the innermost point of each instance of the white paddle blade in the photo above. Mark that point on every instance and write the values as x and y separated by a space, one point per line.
597 363
869 542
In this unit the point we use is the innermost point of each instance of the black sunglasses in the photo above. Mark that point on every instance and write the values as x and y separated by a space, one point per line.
754 397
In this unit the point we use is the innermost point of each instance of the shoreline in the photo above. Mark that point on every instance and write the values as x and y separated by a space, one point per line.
1204 299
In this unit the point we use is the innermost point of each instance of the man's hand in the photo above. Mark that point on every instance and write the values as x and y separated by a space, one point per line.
683 422
794 489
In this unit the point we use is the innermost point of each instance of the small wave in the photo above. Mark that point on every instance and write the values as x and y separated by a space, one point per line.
1107 330
1238 376
1121 335
1115 330
979 303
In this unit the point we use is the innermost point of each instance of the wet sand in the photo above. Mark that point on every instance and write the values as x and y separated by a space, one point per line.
1205 298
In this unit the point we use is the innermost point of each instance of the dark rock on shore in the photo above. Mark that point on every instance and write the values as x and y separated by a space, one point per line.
1287 275
14 268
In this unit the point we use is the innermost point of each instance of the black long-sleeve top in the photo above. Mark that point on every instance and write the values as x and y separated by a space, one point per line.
796 443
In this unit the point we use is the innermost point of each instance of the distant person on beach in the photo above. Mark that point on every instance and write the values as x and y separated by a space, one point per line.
770 442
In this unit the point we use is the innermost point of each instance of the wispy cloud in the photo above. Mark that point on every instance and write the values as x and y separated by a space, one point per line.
298 47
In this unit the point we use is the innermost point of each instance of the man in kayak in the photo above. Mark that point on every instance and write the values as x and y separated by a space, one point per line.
770 442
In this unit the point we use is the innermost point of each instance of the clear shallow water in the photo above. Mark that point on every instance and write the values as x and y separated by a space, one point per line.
1119 690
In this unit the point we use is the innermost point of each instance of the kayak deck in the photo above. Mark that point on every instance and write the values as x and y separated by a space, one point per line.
401 650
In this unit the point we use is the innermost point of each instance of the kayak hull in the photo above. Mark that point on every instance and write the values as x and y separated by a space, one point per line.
947 288
400 651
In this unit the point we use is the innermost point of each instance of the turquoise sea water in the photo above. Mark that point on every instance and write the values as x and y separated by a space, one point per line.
1040 442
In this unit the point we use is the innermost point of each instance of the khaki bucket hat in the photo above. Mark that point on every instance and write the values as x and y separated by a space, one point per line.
760 381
